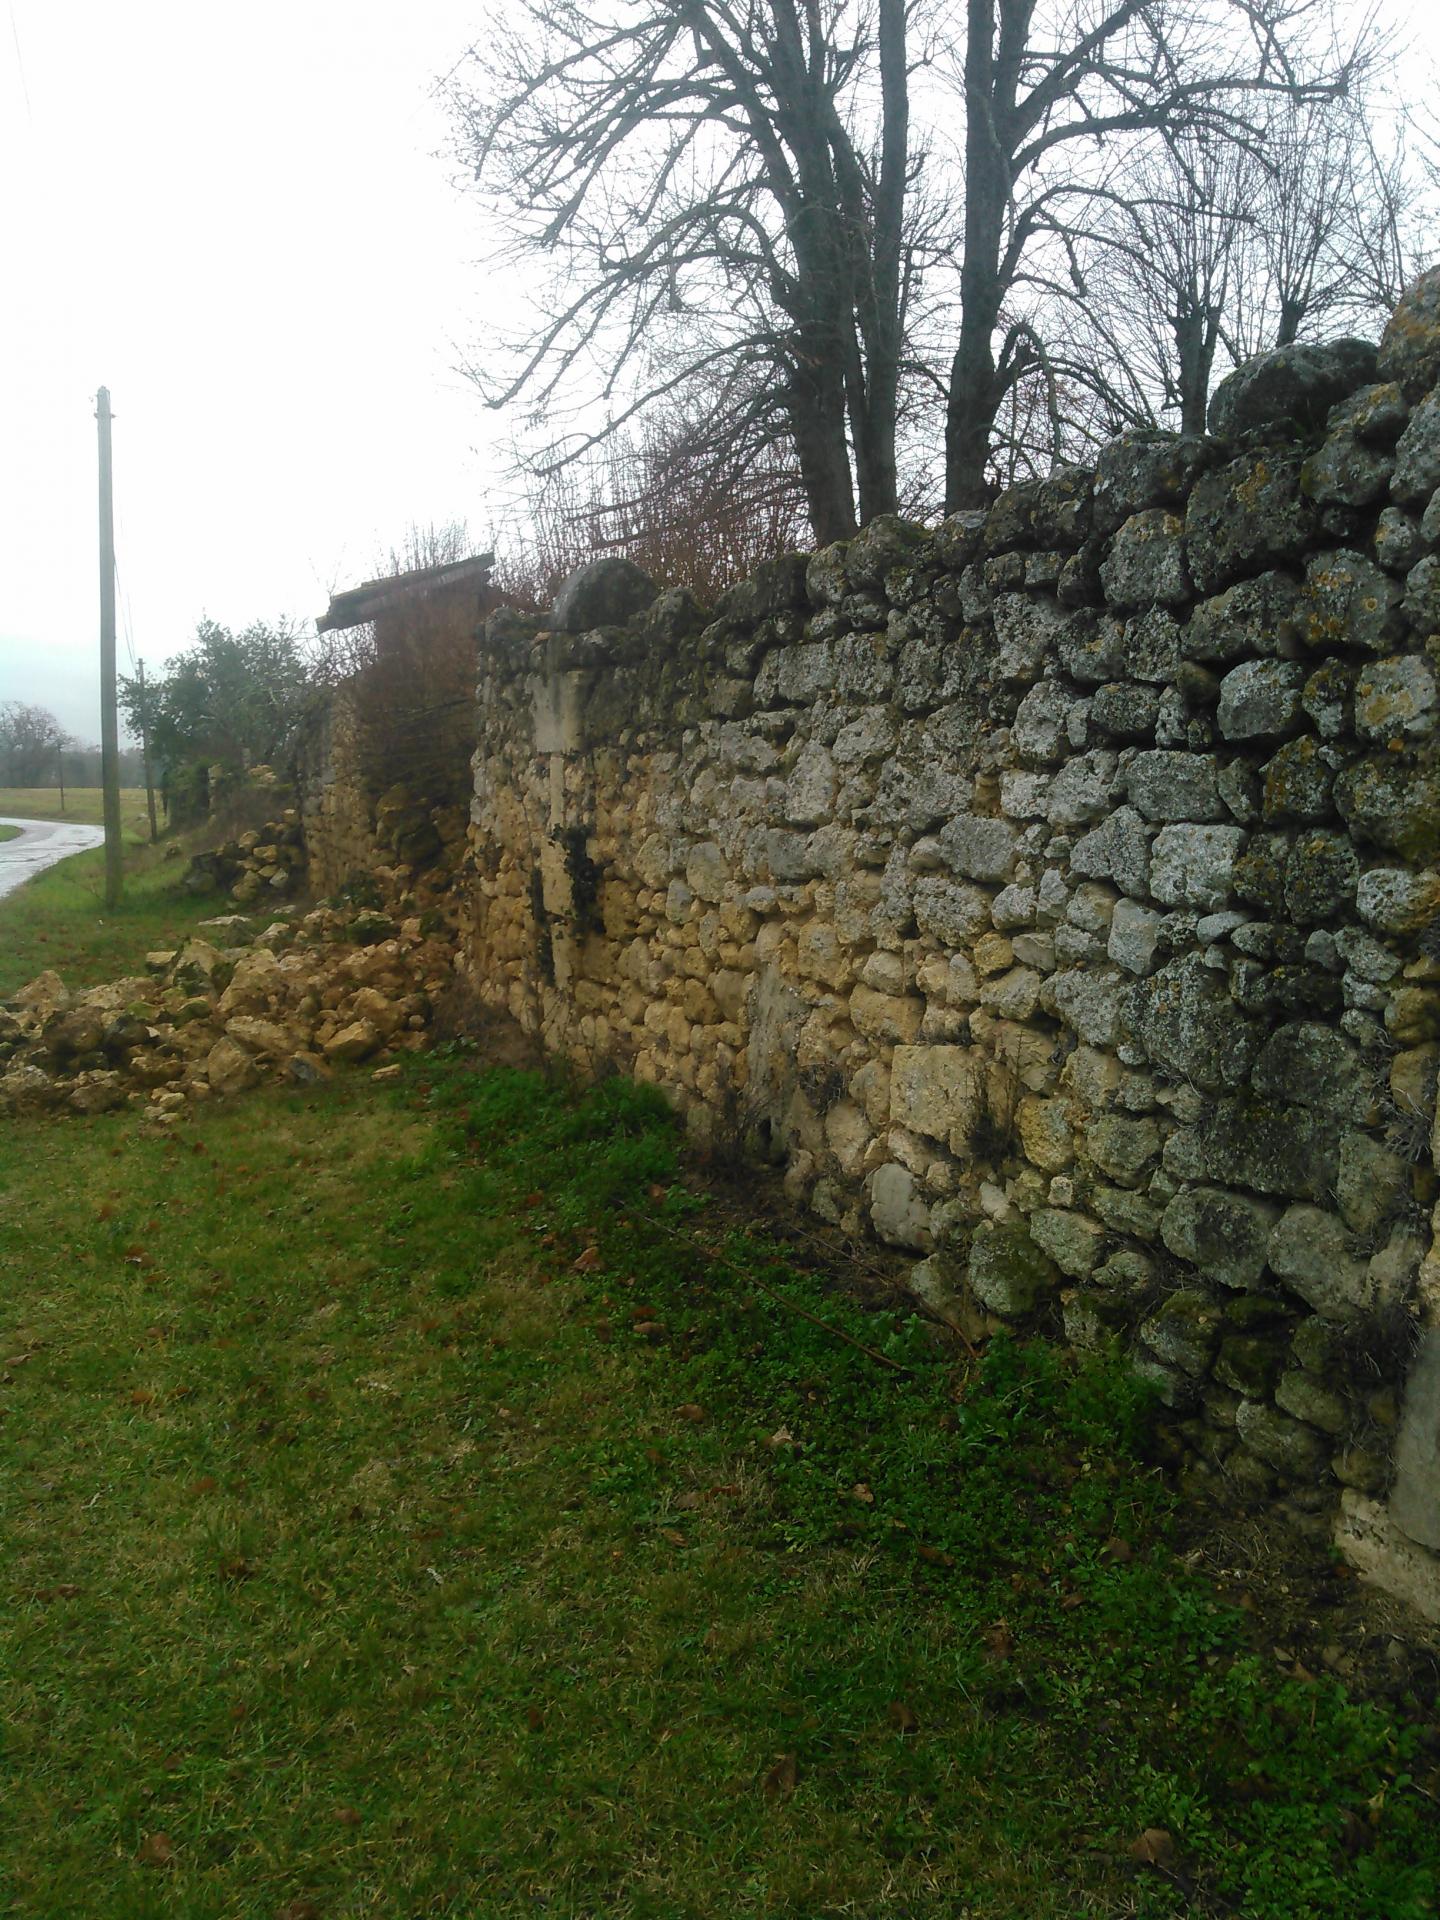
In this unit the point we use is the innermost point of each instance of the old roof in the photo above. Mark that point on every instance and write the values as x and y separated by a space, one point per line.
374 597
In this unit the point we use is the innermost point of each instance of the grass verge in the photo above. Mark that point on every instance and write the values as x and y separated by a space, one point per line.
422 1508
59 918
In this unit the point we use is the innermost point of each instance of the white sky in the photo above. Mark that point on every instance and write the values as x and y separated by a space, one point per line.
234 218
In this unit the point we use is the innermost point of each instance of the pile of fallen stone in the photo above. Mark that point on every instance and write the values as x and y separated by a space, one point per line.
220 1014
260 864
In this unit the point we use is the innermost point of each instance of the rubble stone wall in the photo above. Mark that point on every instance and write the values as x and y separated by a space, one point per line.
1055 893
336 796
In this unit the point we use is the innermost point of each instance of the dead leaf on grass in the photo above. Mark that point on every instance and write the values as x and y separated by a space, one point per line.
674 1536
299 1910
690 1411
901 1718
1154 1848
207 1483
780 1781
934 1556
534 1719
347 1816
156 1850
588 1261
999 1640
862 1493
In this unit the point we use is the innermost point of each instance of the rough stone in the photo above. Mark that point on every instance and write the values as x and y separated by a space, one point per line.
600 594
1286 1445
1195 866
937 1091
1008 1273
1145 565
1312 1252
1247 518
1165 785
1225 1233
1260 700
1290 390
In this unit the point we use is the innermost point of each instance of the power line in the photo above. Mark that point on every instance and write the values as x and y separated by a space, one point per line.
20 63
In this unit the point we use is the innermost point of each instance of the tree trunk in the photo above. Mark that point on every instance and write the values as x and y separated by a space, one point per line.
816 406
974 394
881 320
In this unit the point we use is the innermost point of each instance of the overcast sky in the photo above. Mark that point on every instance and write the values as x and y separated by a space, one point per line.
236 220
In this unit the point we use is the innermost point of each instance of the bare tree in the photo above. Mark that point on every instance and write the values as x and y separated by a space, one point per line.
1047 88
1223 248
30 739
723 190
734 203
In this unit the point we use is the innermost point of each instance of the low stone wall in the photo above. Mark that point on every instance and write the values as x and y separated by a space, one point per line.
1055 893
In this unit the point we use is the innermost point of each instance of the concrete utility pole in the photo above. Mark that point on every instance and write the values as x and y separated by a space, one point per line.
145 758
109 721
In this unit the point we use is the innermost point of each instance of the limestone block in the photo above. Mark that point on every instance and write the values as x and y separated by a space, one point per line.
1260 700
1166 785
1282 1443
1134 931
1184 1331
1044 1129
954 912
886 1016
1311 1250
1394 900
1255 617
1007 1272
1072 1240
1125 710
1145 565
1348 601
1187 1022
229 1067
1153 647
1313 1066
1124 1149
1042 723
1194 866
1013 995
1225 1233
1082 790
1396 698
1415 1495
1247 518
980 848
1089 1002
1026 627
898 1212
848 1136
937 1091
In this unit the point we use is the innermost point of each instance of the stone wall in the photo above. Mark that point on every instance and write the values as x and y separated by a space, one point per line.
1055 894
336 795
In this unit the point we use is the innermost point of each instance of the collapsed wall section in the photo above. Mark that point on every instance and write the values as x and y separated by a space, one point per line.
1056 895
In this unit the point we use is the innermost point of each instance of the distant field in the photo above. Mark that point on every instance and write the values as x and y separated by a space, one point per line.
82 804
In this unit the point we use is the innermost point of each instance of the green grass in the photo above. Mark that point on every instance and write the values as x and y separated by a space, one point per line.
59 918
424 1504
82 804
9 833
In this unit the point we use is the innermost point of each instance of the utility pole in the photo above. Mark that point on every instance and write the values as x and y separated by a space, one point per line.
145 757
60 769
109 721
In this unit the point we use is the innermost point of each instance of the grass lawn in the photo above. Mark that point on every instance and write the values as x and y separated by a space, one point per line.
9 833
422 1503
59 920
82 804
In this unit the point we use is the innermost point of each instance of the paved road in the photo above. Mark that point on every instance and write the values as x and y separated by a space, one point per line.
40 844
